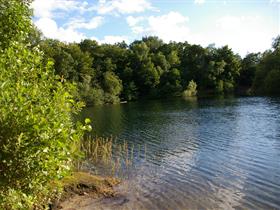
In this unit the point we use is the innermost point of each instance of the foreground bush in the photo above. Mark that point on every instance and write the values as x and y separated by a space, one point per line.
37 136
36 130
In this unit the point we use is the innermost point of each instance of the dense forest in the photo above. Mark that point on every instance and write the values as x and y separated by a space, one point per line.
150 68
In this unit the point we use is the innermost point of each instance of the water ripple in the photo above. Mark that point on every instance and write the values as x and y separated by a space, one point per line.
204 154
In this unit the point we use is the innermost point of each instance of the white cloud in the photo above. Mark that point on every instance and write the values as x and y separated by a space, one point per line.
79 23
133 23
111 39
232 23
199 1
45 8
51 30
172 26
47 11
122 6
243 33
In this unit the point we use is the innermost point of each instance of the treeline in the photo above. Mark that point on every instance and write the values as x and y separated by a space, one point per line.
151 68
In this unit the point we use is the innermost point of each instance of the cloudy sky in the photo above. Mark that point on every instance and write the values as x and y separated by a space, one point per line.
245 25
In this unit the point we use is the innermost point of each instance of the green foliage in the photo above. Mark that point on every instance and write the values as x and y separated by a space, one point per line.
145 68
248 69
130 91
112 86
15 21
191 89
267 76
171 83
38 139
36 130
151 68
16 199
272 82
96 96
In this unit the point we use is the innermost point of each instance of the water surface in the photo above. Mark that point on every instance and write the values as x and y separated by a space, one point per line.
200 154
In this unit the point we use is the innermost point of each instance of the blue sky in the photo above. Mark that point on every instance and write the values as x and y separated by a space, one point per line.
246 26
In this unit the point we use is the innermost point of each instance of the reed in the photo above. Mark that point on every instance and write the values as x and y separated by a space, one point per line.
107 153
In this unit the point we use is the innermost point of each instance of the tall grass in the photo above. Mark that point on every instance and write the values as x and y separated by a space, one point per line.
107 154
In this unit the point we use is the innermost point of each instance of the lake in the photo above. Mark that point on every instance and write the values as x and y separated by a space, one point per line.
219 153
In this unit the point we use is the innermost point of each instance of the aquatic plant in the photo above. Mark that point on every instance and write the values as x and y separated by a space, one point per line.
107 152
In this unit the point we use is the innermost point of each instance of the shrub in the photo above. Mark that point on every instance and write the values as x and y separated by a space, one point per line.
191 89
15 21
37 136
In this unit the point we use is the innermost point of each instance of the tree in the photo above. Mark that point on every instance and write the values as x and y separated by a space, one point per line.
130 91
276 43
147 75
221 70
153 43
152 68
249 66
212 79
266 80
170 83
272 82
112 86
231 68
194 60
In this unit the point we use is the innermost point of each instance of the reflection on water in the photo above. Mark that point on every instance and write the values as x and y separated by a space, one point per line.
204 154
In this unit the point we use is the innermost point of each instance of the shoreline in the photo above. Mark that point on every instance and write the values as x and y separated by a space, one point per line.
82 187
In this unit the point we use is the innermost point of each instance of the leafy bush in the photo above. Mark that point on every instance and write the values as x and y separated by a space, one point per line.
37 136
15 21
36 129
191 89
